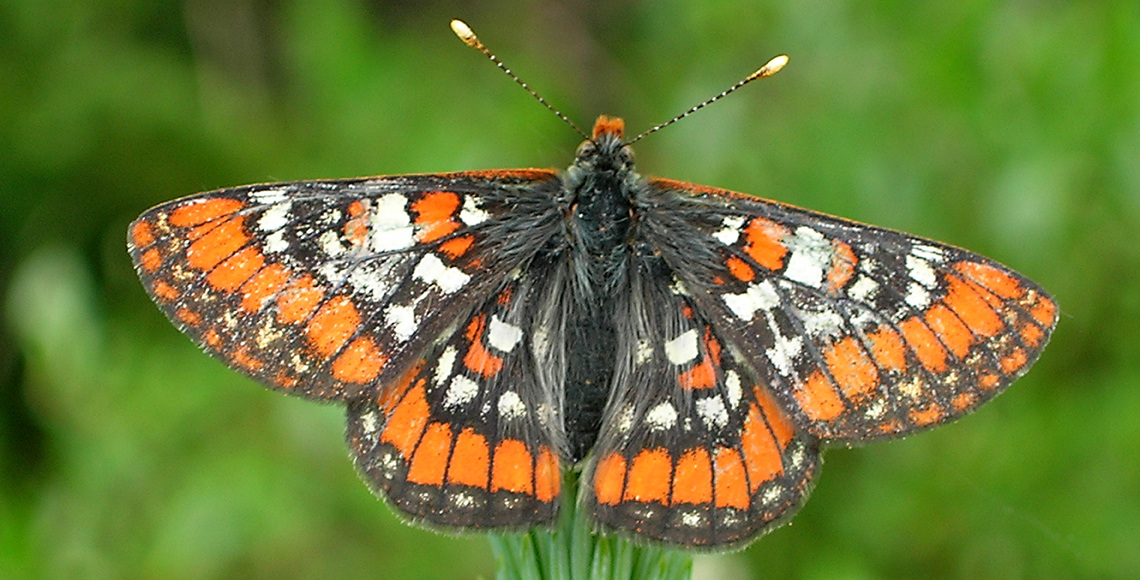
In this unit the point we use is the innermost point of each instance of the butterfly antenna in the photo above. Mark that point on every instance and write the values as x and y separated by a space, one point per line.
772 67
468 37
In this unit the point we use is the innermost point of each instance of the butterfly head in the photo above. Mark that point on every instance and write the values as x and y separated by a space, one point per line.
606 151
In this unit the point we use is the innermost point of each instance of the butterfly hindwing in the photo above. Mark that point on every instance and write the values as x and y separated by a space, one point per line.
862 332
469 438
694 450
328 288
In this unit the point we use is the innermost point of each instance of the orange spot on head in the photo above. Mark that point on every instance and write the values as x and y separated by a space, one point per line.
433 214
235 270
188 316
478 359
649 476
761 456
407 421
693 478
740 269
456 247
164 291
200 211
765 242
927 416
470 461
842 266
259 289
242 359
217 244
1013 361
1044 312
730 480
818 398
335 321
430 460
298 300
150 260
513 467
609 478
777 421
953 332
852 369
142 235
887 348
606 125
360 362
925 344
991 278
547 475
971 307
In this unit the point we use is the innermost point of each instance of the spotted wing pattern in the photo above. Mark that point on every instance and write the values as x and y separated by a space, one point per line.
694 450
469 438
861 332
400 296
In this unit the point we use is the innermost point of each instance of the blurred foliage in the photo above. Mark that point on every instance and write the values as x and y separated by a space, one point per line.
1011 128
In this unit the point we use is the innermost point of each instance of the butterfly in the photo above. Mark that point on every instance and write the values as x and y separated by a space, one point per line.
690 349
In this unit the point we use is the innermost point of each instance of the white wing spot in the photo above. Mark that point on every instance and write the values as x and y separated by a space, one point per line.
369 422
661 417
921 272
644 352
402 320
330 244
822 322
275 217
928 253
461 391
732 388
449 278
811 255
443 365
712 412
511 406
917 296
275 242
502 335
731 231
370 281
682 349
270 196
784 352
470 214
760 296
625 419
864 289
391 226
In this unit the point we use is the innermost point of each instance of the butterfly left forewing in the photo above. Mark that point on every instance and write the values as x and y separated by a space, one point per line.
863 332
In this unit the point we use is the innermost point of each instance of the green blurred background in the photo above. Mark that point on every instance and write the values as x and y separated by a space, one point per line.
1011 128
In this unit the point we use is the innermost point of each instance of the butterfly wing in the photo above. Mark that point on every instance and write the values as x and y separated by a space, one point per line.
328 289
401 296
694 450
861 332
470 438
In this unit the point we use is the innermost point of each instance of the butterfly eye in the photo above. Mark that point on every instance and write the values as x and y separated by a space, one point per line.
586 149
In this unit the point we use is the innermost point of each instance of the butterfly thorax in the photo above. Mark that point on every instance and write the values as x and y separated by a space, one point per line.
597 189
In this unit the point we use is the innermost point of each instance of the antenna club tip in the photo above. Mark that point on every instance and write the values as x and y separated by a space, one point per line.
771 67
464 33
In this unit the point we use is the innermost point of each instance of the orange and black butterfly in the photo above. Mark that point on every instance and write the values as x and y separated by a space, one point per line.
690 349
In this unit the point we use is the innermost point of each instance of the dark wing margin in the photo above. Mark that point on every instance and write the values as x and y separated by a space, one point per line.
862 332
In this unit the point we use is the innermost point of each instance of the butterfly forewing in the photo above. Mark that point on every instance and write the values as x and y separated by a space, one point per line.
328 288
862 332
